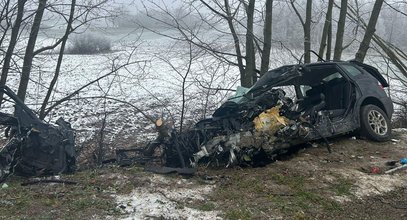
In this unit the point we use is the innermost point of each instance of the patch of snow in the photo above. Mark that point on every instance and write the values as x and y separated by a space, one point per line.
342 199
166 198
369 185
399 129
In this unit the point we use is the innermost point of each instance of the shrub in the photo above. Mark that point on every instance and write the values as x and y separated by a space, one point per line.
89 44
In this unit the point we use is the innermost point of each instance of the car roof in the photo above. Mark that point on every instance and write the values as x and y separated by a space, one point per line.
285 75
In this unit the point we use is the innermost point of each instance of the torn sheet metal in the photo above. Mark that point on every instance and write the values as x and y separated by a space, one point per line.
248 132
34 148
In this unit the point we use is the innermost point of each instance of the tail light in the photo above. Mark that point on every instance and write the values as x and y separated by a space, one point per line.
380 85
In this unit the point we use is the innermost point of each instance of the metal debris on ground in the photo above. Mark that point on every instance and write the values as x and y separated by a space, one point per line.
404 166
34 147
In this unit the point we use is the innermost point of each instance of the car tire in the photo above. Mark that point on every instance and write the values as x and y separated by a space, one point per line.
374 123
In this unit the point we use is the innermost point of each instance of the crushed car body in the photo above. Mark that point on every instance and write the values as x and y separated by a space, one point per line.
287 106
34 147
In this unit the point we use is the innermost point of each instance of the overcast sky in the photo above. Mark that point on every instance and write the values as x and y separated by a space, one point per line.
133 5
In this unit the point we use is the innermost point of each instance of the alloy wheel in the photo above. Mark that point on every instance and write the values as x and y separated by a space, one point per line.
377 122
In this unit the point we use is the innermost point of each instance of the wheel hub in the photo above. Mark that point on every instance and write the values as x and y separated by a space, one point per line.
377 122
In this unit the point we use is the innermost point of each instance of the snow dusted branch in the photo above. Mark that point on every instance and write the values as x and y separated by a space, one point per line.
68 97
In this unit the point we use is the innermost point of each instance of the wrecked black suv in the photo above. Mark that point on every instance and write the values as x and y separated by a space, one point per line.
287 106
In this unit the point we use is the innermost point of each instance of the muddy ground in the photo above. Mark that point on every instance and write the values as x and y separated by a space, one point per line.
309 183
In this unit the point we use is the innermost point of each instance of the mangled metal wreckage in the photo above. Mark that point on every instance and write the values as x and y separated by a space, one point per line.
287 106
34 147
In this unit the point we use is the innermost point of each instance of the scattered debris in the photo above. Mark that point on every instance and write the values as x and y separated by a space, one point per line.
375 170
404 166
391 163
395 140
34 148
4 186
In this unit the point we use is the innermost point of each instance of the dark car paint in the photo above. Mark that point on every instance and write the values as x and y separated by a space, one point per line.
373 71
369 88
365 87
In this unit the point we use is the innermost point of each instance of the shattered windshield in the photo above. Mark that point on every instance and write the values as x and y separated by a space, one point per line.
239 95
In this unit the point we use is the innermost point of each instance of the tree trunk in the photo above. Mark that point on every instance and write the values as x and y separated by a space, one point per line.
329 42
267 33
341 30
327 25
250 73
29 52
5 20
59 62
370 30
229 18
391 53
13 40
307 32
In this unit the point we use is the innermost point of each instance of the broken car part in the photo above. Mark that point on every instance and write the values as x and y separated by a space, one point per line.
287 106
34 147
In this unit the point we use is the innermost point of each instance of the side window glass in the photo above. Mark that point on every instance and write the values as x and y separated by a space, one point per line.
332 76
353 71
304 89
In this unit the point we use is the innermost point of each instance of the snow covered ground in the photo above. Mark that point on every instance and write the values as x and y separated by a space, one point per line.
166 198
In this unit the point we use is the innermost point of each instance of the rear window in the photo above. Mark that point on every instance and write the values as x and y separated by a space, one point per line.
353 71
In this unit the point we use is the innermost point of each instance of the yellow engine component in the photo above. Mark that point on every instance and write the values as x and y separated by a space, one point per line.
270 121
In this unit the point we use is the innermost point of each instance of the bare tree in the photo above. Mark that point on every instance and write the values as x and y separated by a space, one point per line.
370 30
211 14
249 77
326 38
60 57
306 25
29 52
267 33
248 71
13 40
230 17
183 71
6 15
85 13
340 30
329 42
394 54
